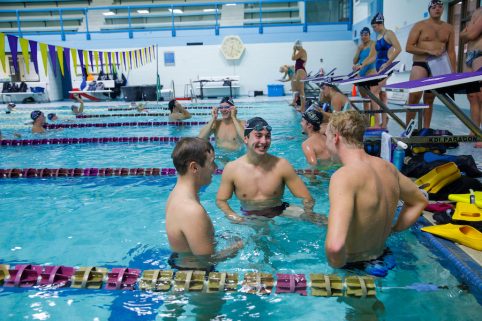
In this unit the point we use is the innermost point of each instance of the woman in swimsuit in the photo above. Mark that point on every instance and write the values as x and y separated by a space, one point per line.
364 61
300 57
288 75
388 48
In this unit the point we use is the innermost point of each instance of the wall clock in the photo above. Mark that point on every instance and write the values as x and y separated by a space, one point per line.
232 47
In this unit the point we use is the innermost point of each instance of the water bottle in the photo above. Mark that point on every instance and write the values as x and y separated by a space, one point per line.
399 155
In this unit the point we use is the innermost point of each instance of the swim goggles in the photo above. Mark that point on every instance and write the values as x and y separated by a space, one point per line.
260 127
224 106
434 3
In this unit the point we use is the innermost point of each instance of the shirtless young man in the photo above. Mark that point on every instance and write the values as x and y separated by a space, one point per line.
337 100
364 194
314 147
430 37
38 118
189 229
228 130
258 179
178 112
472 35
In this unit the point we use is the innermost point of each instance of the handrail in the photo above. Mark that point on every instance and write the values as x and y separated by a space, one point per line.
131 28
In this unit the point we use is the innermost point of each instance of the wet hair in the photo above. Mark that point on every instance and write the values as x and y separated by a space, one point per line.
365 30
351 125
314 117
378 19
190 149
171 104
252 123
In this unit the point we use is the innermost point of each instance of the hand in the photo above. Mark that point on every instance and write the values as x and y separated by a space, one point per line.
214 112
235 218
382 67
437 52
356 67
317 219
234 112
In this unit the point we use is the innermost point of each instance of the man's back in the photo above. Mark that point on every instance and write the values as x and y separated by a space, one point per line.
374 186
317 143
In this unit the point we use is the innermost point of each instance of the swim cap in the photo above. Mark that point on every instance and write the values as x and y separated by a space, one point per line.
35 114
365 30
256 123
379 19
432 3
314 117
11 105
298 44
227 100
50 116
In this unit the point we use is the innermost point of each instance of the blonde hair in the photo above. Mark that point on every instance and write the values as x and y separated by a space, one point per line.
350 125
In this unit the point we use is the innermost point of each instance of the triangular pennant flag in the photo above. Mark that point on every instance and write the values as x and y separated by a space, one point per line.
101 58
144 54
129 62
53 61
105 61
60 57
33 54
96 58
81 60
124 60
2 52
135 57
86 62
73 54
91 60
109 56
67 58
117 59
25 53
12 41
43 53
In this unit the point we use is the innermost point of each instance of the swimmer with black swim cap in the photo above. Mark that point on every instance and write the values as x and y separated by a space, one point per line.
38 118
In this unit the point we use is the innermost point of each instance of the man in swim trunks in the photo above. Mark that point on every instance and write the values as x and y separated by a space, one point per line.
38 118
364 194
178 112
228 130
314 147
472 35
190 231
430 37
300 57
337 100
258 179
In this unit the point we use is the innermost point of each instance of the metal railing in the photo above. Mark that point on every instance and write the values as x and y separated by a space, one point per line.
176 13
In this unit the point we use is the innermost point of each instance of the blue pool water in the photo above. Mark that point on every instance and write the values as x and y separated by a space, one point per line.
119 221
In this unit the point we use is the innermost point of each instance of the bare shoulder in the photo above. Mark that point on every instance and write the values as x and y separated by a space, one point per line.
447 26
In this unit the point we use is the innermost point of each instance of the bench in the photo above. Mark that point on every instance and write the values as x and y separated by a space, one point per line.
217 86
18 97
93 94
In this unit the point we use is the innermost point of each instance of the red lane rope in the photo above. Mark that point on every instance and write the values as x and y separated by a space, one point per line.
166 108
69 141
104 171
134 115
127 124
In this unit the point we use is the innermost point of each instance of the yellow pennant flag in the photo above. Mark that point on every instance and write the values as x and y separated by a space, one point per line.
86 60
121 62
60 56
25 52
96 58
106 62
43 53
2 52
73 54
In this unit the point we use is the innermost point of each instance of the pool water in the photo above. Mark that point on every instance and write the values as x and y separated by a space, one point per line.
119 222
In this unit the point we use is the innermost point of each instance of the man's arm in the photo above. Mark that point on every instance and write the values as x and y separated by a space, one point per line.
225 192
414 204
342 197
185 113
296 186
451 49
207 130
412 41
473 29
309 154
238 124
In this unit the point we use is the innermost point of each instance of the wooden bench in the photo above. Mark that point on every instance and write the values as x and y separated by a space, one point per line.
218 86
18 97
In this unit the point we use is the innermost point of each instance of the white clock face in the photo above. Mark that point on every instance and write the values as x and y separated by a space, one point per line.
232 47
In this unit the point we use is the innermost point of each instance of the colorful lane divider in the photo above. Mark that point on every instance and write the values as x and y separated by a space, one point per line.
107 171
134 115
126 124
87 140
166 108
123 278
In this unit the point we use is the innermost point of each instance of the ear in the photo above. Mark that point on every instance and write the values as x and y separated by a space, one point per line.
245 139
193 166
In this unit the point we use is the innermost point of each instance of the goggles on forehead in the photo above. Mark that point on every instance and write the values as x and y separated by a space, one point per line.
260 127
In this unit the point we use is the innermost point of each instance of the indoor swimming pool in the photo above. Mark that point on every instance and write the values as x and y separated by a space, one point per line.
119 222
